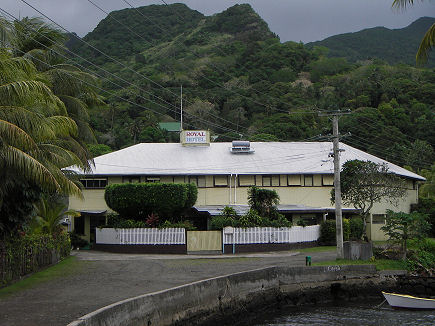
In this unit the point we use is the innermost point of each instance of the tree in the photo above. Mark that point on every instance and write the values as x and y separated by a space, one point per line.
428 40
49 215
263 201
401 227
364 183
427 190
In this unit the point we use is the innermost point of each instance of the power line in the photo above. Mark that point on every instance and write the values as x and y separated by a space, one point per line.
194 53
119 97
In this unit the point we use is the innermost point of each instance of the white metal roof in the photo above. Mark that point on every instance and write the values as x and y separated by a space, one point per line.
268 158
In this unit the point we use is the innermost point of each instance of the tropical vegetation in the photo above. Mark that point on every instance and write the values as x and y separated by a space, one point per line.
43 119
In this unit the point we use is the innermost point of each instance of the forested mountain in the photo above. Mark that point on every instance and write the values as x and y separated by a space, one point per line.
392 45
240 81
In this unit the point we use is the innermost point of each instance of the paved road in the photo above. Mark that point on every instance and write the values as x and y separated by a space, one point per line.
99 279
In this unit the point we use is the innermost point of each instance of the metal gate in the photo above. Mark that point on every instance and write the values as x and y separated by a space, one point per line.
203 242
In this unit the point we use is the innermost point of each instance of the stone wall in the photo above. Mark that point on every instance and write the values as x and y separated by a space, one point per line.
222 298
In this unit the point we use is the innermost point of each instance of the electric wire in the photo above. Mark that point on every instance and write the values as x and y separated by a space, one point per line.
108 92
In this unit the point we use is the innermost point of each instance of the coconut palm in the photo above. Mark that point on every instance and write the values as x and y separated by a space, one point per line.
428 40
36 135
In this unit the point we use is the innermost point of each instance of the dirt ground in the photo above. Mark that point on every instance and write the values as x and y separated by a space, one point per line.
100 279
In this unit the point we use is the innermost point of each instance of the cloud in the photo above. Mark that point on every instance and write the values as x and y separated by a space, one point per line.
296 20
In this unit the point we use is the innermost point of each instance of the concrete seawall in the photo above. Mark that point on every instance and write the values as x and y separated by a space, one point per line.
217 299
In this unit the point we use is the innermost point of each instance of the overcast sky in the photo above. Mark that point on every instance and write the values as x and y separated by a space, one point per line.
295 20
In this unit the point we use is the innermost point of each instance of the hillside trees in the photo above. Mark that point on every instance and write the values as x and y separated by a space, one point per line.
428 39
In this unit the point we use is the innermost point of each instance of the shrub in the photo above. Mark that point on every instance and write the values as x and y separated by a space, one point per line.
250 219
77 241
28 253
328 235
117 222
263 201
139 200
346 229
279 222
221 221
186 224
356 225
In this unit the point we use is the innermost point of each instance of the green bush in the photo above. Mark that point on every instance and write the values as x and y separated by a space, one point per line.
279 222
328 235
29 253
77 241
221 221
138 200
356 225
186 224
421 261
346 229
250 219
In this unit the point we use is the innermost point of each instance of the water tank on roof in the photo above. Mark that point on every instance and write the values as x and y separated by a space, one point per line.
241 147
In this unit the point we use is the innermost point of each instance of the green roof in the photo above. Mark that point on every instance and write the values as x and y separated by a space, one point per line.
170 126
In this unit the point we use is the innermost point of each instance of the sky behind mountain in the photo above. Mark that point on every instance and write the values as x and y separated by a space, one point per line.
292 20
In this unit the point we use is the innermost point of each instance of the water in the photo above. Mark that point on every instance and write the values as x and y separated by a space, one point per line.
362 313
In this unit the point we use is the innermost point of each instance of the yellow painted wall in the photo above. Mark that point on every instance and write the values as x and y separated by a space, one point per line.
315 196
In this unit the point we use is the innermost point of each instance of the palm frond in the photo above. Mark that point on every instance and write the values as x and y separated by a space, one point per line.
62 126
15 136
72 83
76 108
12 158
18 92
402 4
57 155
426 45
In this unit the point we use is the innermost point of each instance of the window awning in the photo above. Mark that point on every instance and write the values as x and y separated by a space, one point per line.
92 212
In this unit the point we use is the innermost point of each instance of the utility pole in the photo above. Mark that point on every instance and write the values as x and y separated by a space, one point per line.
337 185
181 108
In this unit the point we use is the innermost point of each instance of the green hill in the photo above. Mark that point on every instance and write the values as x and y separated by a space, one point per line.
240 81
392 45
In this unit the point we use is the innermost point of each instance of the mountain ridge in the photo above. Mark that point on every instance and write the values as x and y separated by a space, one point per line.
392 45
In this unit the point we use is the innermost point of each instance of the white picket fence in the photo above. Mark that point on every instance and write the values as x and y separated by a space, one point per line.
171 236
294 234
145 236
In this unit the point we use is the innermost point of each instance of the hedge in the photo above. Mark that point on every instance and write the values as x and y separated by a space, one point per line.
138 200
28 254
352 230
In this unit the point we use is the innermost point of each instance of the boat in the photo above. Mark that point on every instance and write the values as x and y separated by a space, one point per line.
408 301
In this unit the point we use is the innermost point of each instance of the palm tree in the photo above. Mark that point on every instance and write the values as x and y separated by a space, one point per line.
34 130
428 40
49 215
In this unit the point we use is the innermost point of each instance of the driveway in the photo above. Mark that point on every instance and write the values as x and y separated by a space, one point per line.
98 279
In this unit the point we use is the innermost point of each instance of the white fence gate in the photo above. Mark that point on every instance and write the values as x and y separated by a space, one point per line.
143 236
294 234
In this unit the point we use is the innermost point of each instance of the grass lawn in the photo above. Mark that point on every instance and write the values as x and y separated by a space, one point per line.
381 264
317 249
67 266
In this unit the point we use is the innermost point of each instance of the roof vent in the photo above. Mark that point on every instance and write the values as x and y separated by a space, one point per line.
241 147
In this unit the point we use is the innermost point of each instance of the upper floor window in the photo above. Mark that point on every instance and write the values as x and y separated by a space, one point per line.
220 181
246 180
131 179
270 180
308 180
198 180
94 183
153 178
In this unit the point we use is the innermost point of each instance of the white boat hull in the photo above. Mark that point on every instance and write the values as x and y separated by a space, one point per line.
408 301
